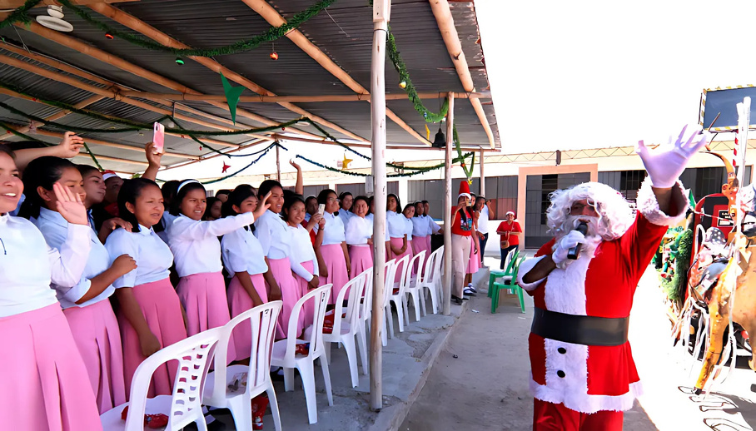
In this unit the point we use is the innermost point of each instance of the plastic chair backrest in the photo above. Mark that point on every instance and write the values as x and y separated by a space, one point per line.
388 281
517 269
262 320
439 261
426 274
355 287
320 296
408 276
365 306
194 356
515 254
404 262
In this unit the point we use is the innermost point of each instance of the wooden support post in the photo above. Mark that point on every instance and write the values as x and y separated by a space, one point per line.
448 205
381 9
482 164
278 165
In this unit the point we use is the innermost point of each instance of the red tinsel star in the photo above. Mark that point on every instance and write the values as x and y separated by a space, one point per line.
225 167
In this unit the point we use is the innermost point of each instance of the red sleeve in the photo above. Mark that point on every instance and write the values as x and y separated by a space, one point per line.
501 227
639 244
546 248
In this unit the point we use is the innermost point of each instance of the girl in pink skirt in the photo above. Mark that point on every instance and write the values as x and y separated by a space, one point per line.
397 230
359 237
44 381
244 260
197 254
276 241
85 305
409 214
303 260
421 232
333 247
149 313
474 263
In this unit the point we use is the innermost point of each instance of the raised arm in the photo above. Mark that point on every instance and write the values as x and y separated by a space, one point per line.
299 187
68 148
153 160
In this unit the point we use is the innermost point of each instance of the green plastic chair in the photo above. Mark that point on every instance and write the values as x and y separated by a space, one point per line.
499 274
508 283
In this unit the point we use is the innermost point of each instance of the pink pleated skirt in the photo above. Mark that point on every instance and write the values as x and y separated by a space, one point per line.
44 381
333 257
397 243
281 269
420 243
161 308
239 301
361 258
428 242
309 307
474 263
96 333
204 299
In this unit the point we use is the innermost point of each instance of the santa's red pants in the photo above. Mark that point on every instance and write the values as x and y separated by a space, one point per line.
548 417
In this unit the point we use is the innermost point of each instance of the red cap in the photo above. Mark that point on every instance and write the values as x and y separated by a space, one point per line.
464 189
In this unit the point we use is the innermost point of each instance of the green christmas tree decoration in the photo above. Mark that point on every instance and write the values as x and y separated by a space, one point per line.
232 96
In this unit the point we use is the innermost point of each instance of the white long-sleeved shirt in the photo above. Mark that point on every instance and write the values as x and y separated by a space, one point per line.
434 227
358 231
408 227
420 226
334 230
302 251
152 256
28 265
242 251
166 221
483 220
345 216
277 240
195 245
55 230
395 224
370 217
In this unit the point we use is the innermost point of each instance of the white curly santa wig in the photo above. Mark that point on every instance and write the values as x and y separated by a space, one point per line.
615 214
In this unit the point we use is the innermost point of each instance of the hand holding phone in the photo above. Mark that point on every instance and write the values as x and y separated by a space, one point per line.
321 209
158 137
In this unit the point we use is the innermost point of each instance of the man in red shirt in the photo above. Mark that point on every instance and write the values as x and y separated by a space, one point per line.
582 371
509 231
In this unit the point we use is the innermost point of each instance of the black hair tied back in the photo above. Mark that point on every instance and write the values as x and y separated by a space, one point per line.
42 172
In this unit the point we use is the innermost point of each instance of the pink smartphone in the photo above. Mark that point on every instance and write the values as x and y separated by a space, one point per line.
158 137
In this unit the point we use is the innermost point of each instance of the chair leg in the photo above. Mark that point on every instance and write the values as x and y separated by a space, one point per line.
307 372
390 320
289 379
328 351
521 298
494 298
384 330
362 341
327 381
399 314
422 302
351 351
273 407
434 298
241 411
416 304
405 307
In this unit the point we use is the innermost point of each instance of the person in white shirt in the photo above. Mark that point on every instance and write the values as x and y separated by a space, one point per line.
397 229
333 249
435 229
197 255
481 205
421 232
409 227
346 200
150 313
304 261
44 380
359 237
85 305
244 260
94 187
276 240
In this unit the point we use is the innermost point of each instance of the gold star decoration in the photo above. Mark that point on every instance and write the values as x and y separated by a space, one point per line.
346 162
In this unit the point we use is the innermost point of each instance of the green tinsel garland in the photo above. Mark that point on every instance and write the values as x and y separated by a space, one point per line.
20 15
29 138
264 152
359 174
675 288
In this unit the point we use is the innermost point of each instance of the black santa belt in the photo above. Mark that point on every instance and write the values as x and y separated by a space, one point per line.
585 330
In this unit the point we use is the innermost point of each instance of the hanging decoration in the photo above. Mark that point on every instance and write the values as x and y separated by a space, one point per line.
346 162
403 84
232 96
108 36
273 53
416 171
179 61
427 132
225 168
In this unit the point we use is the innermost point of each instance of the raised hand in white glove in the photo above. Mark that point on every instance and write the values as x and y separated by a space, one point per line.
665 163
565 244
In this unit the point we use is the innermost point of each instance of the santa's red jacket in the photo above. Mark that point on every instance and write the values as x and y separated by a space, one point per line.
596 378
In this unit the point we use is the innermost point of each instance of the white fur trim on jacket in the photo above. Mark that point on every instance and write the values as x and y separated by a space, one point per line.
565 288
525 268
584 403
649 207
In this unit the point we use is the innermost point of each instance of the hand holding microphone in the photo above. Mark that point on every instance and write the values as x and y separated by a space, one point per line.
565 245
574 252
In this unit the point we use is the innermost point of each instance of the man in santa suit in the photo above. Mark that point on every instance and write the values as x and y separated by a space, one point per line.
582 371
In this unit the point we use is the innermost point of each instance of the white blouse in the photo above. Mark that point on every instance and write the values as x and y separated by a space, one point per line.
274 235
370 218
152 256
408 227
345 216
195 245
28 265
334 230
166 221
358 231
302 251
420 226
55 230
434 227
396 226
242 252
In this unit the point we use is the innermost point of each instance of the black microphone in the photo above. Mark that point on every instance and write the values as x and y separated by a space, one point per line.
574 252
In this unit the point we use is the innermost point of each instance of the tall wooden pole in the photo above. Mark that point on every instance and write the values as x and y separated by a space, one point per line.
381 12
448 205
278 165
482 164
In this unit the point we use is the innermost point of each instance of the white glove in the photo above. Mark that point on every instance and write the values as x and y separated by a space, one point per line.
665 163
567 242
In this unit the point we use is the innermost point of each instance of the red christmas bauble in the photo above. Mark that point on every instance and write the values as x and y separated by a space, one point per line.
274 55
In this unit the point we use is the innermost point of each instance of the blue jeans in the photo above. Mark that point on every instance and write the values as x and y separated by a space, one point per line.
504 253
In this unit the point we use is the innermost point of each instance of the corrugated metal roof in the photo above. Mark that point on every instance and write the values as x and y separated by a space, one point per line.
344 32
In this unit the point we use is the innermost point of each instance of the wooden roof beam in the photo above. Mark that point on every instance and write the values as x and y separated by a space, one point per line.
303 99
59 115
140 26
445 21
275 19
115 145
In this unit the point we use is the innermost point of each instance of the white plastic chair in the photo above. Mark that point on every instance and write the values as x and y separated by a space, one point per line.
429 282
345 328
388 286
217 394
414 284
184 406
398 298
439 271
284 351
365 310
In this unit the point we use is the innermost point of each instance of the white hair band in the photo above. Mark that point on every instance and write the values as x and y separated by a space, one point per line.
185 183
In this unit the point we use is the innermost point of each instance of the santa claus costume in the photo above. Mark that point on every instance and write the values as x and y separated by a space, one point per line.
582 371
